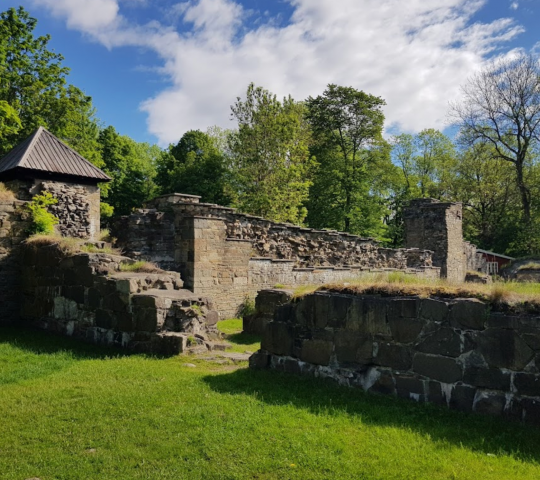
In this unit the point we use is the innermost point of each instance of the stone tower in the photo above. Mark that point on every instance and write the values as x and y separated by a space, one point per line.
437 226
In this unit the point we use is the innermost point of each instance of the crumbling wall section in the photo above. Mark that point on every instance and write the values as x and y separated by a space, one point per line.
85 296
459 353
13 230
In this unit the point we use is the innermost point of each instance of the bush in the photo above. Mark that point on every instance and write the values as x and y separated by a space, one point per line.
42 220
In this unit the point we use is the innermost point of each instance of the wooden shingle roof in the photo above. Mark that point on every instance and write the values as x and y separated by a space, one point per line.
43 152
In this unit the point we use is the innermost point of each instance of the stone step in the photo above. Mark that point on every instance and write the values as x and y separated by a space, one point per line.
133 282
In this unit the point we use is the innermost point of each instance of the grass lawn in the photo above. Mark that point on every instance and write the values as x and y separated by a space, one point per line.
73 411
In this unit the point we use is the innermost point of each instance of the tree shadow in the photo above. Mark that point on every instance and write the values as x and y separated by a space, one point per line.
243 338
489 435
41 343
41 354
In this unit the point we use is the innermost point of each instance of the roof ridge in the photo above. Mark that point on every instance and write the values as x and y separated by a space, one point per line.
37 133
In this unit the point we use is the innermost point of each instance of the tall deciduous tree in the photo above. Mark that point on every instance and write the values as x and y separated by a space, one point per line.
347 126
194 166
31 76
270 156
501 106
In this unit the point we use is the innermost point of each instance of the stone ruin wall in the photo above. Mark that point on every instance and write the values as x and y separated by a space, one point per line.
458 353
13 227
231 256
85 296
77 209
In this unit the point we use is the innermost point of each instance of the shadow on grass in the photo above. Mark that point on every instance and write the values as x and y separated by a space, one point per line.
243 338
475 432
46 343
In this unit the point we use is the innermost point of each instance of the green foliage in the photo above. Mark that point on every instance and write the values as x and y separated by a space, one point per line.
270 157
42 220
247 307
105 210
194 166
132 166
354 167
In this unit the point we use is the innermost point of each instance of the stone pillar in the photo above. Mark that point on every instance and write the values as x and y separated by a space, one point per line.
437 226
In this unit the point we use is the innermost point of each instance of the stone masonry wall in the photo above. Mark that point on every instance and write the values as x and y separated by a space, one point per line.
458 353
13 227
437 226
214 265
77 209
306 246
231 256
84 295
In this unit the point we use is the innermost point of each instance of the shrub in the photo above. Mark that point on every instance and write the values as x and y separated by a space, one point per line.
247 307
42 220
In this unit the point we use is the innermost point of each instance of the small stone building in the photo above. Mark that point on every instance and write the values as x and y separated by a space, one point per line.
44 163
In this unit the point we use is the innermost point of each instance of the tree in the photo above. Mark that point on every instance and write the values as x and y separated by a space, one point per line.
32 78
484 184
270 156
10 124
194 166
131 166
347 127
501 106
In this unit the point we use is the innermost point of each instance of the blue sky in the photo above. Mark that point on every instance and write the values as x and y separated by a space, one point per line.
156 68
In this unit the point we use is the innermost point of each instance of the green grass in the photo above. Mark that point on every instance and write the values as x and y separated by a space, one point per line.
241 342
71 411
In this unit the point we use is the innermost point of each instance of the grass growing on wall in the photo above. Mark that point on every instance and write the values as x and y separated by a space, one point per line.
6 195
518 296
72 411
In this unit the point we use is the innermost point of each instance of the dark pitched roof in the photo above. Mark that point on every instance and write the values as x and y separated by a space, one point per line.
42 151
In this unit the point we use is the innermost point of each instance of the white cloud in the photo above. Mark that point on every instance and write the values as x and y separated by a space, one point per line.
414 54
514 5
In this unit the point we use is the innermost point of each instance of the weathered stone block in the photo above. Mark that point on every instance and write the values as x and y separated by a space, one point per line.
443 369
469 314
504 348
409 384
367 315
116 302
434 310
445 341
105 319
531 410
527 384
405 330
404 308
489 403
75 293
384 384
462 398
259 360
146 319
317 352
277 339
487 377
353 348
394 356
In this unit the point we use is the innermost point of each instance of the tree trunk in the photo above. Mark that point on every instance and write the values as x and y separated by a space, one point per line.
524 192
